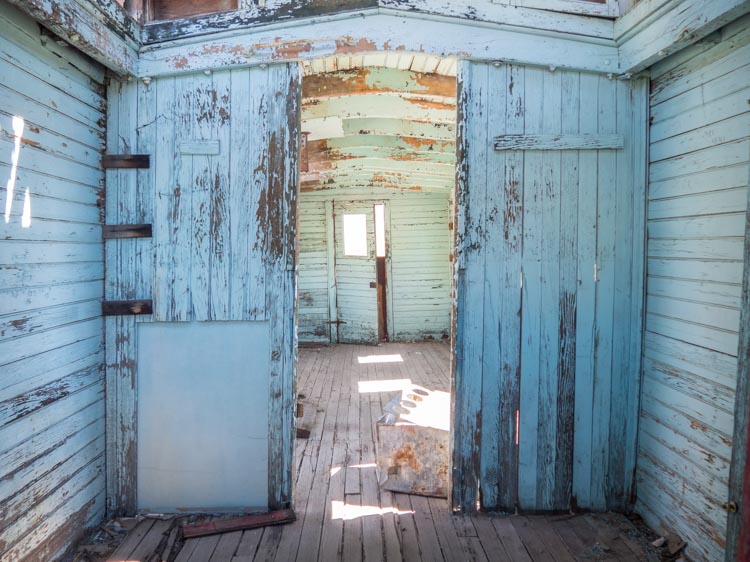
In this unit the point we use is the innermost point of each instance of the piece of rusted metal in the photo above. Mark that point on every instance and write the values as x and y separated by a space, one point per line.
239 523
412 443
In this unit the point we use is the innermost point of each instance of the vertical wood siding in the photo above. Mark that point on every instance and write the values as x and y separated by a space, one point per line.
700 123
51 285
536 332
224 234
419 253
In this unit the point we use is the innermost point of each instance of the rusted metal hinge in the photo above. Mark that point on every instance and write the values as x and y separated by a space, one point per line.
730 507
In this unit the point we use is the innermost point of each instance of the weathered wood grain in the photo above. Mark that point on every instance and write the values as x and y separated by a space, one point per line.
51 342
568 141
738 523
691 345
125 161
110 231
550 294
102 34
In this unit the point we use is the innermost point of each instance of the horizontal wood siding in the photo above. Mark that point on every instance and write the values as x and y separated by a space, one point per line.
51 285
312 281
224 235
696 225
421 247
419 262
549 281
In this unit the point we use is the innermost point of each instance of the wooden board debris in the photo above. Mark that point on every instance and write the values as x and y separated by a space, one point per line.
239 523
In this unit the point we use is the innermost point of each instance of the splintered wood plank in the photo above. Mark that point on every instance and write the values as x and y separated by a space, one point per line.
446 532
248 545
152 540
226 547
188 547
535 547
269 545
510 538
511 291
470 246
564 530
467 536
132 541
529 469
428 536
408 537
491 543
494 434
546 534
609 537
567 300
604 319
204 548
585 300
239 523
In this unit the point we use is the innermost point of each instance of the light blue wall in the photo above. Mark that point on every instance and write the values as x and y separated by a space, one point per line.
51 283
420 239
700 127
549 290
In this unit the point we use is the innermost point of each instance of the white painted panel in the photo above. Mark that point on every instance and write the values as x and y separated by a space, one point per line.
203 415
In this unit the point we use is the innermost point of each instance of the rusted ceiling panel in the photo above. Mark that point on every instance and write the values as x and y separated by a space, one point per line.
384 127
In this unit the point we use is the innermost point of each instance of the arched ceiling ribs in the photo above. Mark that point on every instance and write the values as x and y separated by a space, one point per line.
382 120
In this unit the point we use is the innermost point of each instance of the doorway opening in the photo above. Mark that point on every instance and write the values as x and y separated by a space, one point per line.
375 295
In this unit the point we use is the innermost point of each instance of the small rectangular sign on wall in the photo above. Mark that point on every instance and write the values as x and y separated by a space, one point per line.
200 147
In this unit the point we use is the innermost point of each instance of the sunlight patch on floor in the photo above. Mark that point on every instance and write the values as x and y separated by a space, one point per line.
387 385
365 359
341 510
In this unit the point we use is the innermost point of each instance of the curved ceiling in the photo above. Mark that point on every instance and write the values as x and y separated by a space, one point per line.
379 120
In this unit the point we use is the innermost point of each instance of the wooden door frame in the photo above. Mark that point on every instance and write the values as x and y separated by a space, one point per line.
331 232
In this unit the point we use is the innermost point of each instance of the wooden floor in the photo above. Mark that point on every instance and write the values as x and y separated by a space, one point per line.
342 513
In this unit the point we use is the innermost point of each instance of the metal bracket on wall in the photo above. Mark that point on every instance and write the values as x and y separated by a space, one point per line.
128 307
131 161
110 231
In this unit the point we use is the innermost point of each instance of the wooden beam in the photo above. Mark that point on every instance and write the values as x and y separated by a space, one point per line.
113 231
657 29
100 29
171 9
483 11
738 522
376 80
559 142
253 521
128 307
388 32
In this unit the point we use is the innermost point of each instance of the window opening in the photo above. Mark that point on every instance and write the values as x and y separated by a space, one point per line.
355 235
380 230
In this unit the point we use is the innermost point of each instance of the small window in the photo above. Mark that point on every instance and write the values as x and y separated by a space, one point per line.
355 235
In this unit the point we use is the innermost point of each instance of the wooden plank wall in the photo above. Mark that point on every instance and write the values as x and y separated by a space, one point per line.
51 284
224 234
700 123
549 280
419 282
